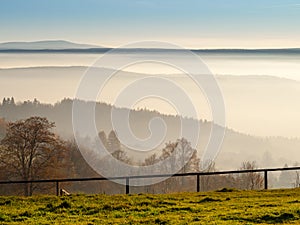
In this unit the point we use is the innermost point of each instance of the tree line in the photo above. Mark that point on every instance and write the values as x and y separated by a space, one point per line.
236 148
31 150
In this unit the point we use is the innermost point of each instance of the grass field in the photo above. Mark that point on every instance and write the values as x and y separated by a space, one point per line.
219 207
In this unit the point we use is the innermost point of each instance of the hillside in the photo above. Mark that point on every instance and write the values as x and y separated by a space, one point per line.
236 148
257 105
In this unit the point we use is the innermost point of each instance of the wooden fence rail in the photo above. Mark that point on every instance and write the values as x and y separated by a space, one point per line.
127 178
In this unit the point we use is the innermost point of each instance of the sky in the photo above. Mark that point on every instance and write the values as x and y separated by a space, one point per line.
187 23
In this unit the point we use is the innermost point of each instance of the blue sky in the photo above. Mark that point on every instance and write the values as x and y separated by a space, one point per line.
189 23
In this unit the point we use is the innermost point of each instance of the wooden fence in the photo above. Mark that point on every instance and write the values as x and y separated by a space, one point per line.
128 178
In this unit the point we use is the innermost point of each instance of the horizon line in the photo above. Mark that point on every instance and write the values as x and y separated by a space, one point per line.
100 47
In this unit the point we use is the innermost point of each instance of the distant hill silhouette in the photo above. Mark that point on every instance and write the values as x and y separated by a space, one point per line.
67 46
44 45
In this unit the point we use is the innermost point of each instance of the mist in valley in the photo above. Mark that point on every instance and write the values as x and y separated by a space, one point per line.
262 122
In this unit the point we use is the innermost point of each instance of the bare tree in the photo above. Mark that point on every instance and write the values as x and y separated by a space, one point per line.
250 180
297 178
151 160
297 181
30 150
207 182
185 157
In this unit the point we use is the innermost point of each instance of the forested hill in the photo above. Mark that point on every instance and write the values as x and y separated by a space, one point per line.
237 147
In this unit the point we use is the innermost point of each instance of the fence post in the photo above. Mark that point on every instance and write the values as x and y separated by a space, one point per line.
266 179
198 183
127 185
57 188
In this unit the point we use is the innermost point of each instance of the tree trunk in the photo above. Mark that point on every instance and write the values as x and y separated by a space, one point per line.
26 189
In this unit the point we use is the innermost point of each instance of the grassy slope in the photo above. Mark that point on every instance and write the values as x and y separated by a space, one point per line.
223 207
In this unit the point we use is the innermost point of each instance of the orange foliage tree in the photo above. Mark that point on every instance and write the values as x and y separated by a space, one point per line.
30 150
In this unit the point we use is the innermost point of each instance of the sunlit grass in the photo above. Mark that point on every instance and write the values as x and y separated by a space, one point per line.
220 207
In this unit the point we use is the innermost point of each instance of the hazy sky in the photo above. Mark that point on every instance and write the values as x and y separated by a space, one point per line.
189 23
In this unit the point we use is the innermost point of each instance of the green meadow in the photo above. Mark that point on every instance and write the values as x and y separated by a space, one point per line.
226 206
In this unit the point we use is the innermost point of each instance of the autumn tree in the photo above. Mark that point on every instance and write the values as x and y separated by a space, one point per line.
30 150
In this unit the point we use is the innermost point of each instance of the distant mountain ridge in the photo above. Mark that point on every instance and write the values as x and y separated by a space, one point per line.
67 46
44 45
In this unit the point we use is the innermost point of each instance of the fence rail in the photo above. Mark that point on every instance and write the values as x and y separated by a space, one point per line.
127 178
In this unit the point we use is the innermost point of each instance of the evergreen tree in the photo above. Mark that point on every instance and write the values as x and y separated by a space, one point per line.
12 101
267 159
114 147
35 101
103 139
286 178
113 143
4 101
